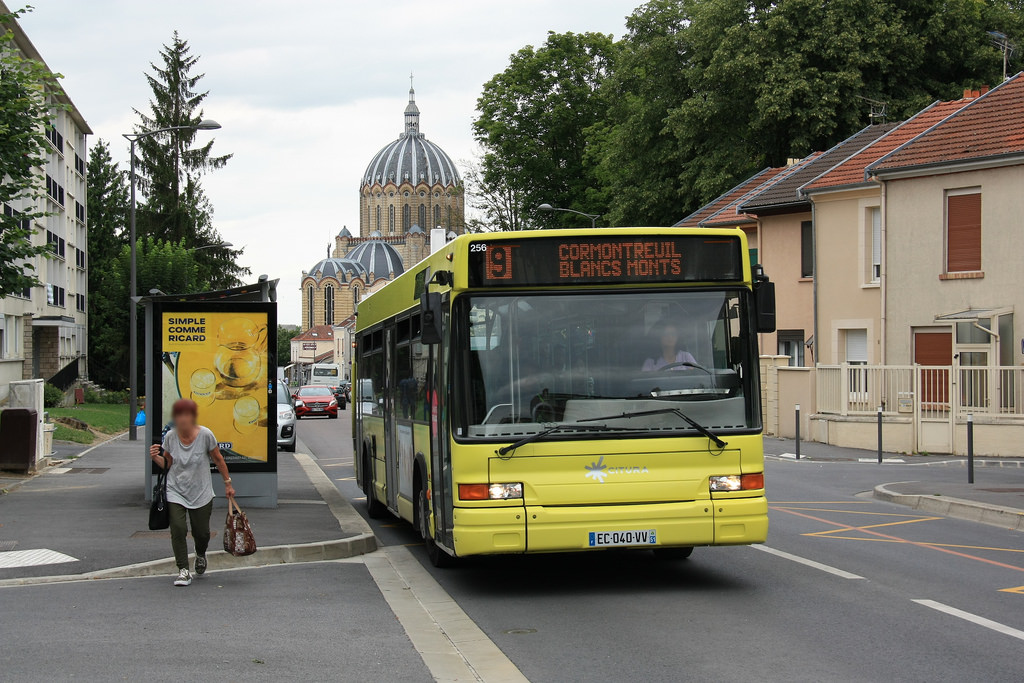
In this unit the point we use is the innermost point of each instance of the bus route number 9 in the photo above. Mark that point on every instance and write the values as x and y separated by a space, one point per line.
498 263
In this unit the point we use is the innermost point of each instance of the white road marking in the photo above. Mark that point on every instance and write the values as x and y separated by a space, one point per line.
842 573
32 558
787 456
57 470
883 460
973 618
452 646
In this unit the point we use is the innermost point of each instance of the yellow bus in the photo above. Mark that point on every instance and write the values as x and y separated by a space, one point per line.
567 390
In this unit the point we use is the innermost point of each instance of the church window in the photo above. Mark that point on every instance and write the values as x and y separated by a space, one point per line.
391 218
406 218
329 305
423 215
355 295
310 292
437 216
448 217
378 218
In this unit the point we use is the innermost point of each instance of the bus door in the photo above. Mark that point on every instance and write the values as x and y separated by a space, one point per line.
390 420
440 441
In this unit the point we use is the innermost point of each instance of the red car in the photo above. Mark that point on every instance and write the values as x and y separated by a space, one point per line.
315 399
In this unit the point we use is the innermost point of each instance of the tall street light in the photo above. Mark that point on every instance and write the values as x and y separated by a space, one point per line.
133 342
547 208
219 245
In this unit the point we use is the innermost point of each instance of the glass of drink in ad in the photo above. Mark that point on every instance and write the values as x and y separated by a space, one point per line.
203 386
247 414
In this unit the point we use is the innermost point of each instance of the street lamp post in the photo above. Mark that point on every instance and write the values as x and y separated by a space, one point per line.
133 342
219 245
547 208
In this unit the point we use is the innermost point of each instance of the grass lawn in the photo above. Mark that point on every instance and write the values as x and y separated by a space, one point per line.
106 418
77 435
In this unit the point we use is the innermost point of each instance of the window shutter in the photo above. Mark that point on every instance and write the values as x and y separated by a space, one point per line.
963 232
876 238
856 346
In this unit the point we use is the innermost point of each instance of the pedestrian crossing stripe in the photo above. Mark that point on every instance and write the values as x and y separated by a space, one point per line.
32 558
1018 589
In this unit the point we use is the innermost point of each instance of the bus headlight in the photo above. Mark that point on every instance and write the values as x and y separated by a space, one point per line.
737 482
490 491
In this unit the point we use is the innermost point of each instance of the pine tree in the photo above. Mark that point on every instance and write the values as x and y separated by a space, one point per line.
176 209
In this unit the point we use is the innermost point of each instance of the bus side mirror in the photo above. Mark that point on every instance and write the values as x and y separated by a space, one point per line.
430 317
764 301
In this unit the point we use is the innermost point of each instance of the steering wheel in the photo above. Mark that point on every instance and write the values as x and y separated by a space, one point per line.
543 412
679 364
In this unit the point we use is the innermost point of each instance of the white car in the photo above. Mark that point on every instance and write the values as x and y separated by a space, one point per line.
285 419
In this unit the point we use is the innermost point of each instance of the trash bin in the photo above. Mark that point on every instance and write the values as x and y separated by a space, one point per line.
18 429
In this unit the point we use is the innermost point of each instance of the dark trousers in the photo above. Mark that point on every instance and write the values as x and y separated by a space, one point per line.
199 519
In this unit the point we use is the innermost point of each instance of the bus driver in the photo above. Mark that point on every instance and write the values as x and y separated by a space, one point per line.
671 357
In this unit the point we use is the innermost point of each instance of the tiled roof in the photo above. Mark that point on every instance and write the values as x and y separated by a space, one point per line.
989 126
730 215
852 171
728 199
316 333
786 191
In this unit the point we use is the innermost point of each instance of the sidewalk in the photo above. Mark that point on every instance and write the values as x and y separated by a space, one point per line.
93 510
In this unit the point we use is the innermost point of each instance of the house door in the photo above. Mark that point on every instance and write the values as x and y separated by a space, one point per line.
933 356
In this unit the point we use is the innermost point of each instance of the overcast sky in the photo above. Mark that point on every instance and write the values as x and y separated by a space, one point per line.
307 91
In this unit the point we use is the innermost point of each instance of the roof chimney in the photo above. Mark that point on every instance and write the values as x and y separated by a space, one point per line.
984 89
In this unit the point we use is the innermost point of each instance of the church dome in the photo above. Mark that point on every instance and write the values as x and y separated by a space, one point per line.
415 230
341 269
411 158
344 232
377 257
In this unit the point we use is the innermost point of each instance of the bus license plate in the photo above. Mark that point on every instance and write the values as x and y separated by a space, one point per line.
602 539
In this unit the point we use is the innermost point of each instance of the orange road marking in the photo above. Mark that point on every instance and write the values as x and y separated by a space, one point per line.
1018 589
875 526
822 502
903 540
830 534
848 512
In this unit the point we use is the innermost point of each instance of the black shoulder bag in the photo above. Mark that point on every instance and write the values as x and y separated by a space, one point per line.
159 514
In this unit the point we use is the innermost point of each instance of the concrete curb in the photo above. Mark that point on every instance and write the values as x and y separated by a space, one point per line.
320 551
973 511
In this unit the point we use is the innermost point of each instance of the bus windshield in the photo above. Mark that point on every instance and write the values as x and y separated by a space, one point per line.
529 362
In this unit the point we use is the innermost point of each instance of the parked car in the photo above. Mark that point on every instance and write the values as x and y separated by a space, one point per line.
315 399
340 396
285 419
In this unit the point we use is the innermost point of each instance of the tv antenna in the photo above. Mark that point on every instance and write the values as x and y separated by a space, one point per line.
1002 43
879 110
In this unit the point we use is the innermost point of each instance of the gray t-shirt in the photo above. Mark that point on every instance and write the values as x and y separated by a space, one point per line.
189 482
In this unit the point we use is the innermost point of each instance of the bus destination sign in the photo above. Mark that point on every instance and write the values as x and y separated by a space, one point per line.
543 261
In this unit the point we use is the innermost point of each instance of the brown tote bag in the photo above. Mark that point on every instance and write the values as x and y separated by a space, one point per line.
238 538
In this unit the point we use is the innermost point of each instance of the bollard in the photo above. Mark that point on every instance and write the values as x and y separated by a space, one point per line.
970 448
797 431
879 435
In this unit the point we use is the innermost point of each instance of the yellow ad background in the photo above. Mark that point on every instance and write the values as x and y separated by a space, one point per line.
219 416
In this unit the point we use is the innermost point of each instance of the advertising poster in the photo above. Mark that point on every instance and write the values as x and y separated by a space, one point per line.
219 355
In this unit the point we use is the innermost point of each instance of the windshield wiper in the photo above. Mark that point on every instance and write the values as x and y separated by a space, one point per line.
704 431
505 450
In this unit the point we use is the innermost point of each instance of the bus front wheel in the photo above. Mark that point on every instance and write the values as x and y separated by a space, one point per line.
438 557
672 553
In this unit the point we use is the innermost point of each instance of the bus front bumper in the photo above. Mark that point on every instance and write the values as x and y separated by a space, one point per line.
539 529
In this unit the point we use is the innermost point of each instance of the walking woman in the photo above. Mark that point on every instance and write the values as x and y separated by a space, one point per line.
189 449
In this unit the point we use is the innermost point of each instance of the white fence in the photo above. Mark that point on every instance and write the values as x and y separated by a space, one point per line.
930 392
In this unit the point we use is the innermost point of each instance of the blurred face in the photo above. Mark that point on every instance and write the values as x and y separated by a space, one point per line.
184 421
669 337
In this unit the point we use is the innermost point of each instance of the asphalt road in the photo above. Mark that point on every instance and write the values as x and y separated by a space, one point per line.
849 589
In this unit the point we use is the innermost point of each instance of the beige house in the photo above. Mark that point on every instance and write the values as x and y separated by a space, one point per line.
43 330
850 231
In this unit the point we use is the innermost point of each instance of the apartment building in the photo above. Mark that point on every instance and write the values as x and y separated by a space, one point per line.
43 329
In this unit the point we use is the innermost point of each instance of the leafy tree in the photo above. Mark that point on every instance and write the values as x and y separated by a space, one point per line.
500 204
176 208
706 91
285 334
532 126
166 266
108 210
28 92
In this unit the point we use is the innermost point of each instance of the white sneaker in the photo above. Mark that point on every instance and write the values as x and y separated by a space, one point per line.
184 578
